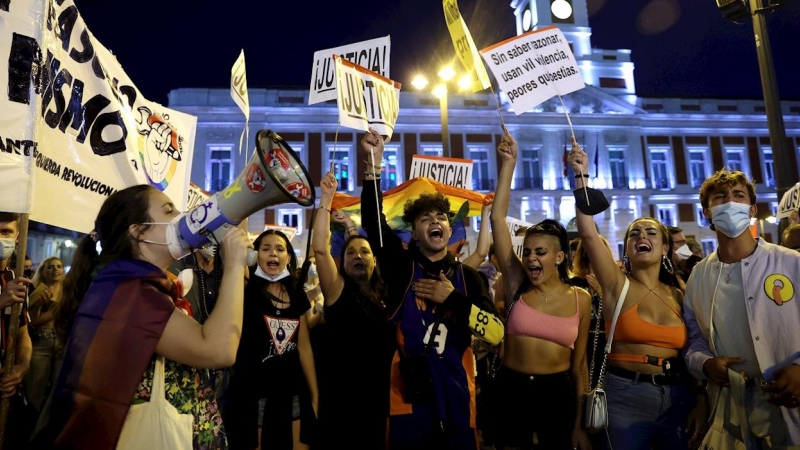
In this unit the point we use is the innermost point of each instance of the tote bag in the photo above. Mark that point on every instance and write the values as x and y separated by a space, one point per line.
156 425
718 437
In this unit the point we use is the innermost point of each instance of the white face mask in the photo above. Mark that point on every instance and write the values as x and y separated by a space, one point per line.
731 218
208 252
683 252
312 270
8 246
272 278
176 250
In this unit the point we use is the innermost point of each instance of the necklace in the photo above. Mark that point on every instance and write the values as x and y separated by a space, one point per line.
728 273
543 294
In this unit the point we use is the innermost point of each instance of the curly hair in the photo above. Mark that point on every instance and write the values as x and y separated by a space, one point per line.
722 179
424 204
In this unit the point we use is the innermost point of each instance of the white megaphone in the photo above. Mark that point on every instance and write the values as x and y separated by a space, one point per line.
274 175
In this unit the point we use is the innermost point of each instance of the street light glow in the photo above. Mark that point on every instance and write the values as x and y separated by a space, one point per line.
440 90
465 82
447 73
419 82
68 243
772 219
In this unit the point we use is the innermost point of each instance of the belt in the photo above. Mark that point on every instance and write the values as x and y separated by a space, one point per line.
644 359
655 379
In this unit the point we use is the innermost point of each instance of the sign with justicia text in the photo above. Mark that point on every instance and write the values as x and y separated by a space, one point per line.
87 132
372 54
365 98
534 67
451 171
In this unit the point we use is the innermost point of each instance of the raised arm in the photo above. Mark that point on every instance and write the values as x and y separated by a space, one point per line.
510 265
484 236
213 344
608 274
331 282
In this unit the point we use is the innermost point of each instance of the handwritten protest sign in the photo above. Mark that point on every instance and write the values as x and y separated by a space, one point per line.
534 67
366 99
451 171
465 47
372 54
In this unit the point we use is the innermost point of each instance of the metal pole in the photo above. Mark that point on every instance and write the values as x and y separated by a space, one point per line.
785 174
445 133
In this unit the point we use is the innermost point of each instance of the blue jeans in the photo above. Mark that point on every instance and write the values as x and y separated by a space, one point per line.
642 415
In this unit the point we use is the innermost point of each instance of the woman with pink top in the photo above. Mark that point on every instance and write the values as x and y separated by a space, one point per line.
543 377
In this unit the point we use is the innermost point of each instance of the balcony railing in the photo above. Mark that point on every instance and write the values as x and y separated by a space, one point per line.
661 183
529 183
482 185
619 182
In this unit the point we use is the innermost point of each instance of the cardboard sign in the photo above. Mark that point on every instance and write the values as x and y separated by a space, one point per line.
366 99
372 54
451 171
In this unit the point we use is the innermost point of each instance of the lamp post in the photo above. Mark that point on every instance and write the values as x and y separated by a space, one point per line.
737 9
440 91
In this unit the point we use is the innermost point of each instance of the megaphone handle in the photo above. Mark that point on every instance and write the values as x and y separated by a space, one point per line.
252 255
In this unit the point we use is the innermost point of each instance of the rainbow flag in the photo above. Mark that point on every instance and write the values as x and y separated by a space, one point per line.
463 204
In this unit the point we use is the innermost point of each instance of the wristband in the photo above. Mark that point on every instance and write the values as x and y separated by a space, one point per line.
372 174
582 175
326 209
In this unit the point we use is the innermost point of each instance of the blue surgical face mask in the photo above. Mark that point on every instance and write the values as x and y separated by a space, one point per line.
272 278
731 218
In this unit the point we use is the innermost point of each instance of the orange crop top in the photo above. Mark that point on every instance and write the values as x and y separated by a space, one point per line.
526 321
632 328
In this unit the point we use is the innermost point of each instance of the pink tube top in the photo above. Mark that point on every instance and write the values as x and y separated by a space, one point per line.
526 321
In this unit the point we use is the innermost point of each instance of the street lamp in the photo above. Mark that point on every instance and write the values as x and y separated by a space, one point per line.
440 90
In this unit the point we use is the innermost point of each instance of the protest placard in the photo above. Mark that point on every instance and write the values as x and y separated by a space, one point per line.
533 67
465 47
372 54
91 133
366 99
790 202
451 171
515 225
196 195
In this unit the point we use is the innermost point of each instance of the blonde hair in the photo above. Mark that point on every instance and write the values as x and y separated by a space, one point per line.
580 265
37 277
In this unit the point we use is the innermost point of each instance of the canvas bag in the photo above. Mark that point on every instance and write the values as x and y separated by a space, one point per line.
595 415
718 437
156 425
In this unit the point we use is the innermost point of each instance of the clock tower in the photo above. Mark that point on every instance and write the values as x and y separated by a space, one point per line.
609 70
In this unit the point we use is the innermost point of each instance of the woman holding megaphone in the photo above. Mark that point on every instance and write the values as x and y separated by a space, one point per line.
128 376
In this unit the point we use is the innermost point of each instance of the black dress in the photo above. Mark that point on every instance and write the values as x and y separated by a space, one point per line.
354 372
267 367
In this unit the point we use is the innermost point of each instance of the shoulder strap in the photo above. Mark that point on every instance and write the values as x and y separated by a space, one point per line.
620 301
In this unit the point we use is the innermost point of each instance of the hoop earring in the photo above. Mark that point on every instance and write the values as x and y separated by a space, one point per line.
667 264
626 264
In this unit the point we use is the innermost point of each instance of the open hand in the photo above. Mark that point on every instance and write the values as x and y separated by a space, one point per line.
434 290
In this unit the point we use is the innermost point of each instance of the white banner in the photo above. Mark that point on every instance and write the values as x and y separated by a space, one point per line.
239 86
451 171
515 225
366 99
534 67
790 202
288 231
372 54
517 242
465 47
94 132
195 196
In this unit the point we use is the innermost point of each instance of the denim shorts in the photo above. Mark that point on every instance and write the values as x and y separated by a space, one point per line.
295 409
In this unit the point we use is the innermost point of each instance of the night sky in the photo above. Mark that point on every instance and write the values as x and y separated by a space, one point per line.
680 48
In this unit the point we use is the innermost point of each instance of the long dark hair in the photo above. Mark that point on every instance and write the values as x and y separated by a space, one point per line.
119 211
292 281
664 274
550 227
378 291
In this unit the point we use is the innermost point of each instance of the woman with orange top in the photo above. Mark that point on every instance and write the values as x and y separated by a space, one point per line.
649 390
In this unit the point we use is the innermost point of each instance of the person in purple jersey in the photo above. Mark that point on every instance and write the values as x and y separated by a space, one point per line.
437 305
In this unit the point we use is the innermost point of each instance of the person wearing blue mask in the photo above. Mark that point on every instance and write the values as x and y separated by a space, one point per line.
741 318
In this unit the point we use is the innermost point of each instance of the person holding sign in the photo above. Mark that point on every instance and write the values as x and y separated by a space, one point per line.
648 387
544 355
437 304
127 333
357 349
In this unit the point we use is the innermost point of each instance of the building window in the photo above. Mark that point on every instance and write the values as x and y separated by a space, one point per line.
666 214
769 167
734 158
476 224
658 164
616 161
709 245
697 165
620 251
291 218
340 157
432 150
612 83
481 180
391 170
530 175
701 218
299 149
219 167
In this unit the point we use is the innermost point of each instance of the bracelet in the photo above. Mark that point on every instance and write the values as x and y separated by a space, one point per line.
375 175
582 175
353 227
326 209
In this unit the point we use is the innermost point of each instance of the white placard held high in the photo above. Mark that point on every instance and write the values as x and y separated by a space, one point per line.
451 171
366 99
372 54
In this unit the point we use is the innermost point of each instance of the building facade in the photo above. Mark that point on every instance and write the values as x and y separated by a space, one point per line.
649 155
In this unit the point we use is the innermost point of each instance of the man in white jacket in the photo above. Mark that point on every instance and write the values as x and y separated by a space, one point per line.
742 312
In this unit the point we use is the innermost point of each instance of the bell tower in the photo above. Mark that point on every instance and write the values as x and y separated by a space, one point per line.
610 70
